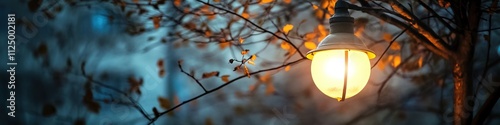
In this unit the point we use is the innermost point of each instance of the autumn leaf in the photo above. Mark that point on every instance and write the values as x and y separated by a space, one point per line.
270 89
161 72
210 74
159 63
253 57
251 62
395 46
177 3
134 83
225 78
387 37
285 45
323 31
247 72
420 61
223 45
287 68
244 52
287 1
156 21
265 1
444 3
164 103
42 50
310 45
287 28
241 40
396 61
315 7
48 110
245 15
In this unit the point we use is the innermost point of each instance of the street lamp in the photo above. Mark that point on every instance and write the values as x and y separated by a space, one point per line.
340 64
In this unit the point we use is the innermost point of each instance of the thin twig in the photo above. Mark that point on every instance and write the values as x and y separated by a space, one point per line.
190 75
220 87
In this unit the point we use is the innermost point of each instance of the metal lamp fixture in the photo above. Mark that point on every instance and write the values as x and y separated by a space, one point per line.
341 63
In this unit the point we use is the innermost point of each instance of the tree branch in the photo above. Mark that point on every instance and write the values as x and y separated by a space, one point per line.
222 86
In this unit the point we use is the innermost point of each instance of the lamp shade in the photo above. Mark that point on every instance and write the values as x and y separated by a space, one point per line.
341 63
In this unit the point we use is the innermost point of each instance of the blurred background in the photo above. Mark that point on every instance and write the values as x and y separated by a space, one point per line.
119 62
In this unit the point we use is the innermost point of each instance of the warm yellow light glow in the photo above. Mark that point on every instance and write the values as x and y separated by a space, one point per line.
328 69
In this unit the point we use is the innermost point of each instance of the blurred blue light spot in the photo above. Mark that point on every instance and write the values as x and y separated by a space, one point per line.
99 22
498 50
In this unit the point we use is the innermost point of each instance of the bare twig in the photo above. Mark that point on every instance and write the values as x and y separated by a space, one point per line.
222 86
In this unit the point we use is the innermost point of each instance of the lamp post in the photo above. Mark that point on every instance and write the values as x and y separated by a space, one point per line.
340 64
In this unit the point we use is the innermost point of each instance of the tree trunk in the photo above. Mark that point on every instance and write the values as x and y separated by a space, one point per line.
462 76
462 93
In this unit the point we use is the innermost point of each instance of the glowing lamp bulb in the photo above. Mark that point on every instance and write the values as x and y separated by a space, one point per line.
328 68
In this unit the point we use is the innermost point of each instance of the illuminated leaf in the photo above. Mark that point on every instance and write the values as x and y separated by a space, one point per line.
244 52
315 7
287 1
135 1
395 46
285 45
420 61
48 110
210 74
287 28
387 37
225 78
251 62
177 3
396 61
270 89
322 30
287 68
190 25
156 21
253 57
241 40
310 45
246 71
444 3
245 15
223 45
164 103
265 1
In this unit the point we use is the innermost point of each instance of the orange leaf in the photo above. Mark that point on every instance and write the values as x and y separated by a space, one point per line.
270 89
246 71
225 78
223 45
251 62
287 68
210 74
160 63
396 61
287 28
245 15
387 37
444 3
395 46
265 1
420 61
310 45
244 52
156 21
164 103
253 57
241 40
177 3
285 45
287 1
